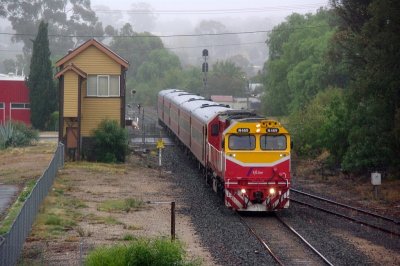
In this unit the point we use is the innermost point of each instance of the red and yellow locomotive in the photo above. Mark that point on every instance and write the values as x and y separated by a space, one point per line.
246 157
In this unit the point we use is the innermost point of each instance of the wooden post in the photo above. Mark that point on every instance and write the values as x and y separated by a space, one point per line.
173 220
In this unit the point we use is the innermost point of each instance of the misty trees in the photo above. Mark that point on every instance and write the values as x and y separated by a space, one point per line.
296 70
152 66
226 79
298 83
70 20
142 17
162 69
369 46
3 11
336 74
42 91
217 41
135 47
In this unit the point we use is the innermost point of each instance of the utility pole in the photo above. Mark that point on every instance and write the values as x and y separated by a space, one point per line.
204 69
248 93
141 108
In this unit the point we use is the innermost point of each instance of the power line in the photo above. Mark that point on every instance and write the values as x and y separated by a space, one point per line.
183 47
138 36
180 47
214 45
161 36
211 11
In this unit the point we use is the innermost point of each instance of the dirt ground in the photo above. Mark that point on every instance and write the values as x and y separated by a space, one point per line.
353 190
77 216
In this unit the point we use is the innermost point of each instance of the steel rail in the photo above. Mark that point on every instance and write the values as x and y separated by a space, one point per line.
345 216
304 240
261 241
345 206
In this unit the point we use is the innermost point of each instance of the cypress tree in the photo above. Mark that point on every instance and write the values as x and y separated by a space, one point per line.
42 90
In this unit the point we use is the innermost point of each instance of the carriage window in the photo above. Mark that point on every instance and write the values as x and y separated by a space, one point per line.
273 142
214 130
242 142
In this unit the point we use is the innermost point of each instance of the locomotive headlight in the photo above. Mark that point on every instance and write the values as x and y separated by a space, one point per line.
258 130
243 191
258 126
272 191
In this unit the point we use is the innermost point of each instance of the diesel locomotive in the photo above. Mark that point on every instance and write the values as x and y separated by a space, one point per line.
245 157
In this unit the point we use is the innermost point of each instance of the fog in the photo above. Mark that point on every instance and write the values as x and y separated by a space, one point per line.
170 18
232 30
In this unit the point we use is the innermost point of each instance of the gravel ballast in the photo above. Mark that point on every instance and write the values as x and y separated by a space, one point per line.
230 242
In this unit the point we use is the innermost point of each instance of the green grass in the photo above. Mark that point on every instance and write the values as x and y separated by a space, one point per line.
15 209
159 251
59 212
111 220
95 219
52 219
102 168
128 237
117 205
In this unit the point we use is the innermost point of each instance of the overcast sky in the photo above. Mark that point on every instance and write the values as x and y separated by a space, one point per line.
207 9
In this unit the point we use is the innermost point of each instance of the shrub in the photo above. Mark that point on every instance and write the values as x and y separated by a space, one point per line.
141 252
111 142
53 123
16 134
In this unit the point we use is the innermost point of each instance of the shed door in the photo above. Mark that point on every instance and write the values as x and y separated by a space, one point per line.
72 137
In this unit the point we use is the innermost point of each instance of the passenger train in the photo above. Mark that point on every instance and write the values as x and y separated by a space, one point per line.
245 157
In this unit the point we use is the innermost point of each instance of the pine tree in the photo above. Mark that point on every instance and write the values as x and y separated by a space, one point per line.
40 82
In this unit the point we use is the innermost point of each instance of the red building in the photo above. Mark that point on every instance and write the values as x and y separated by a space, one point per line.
14 99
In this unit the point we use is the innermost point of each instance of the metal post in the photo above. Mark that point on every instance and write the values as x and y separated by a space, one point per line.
159 161
143 130
205 70
376 182
159 157
173 220
376 188
248 94
172 215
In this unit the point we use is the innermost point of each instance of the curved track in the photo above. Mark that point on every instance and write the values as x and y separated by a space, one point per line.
351 213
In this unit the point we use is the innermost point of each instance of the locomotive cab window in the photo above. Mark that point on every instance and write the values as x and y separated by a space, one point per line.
242 142
273 142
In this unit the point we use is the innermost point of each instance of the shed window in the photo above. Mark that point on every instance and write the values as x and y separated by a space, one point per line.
1 105
103 85
20 105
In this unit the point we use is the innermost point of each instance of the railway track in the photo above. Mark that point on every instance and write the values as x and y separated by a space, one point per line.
285 245
357 215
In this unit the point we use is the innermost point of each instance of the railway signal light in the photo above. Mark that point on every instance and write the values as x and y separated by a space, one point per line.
204 67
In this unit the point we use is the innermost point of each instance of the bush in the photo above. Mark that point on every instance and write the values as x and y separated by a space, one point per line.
141 252
53 122
321 125
111 142
16 134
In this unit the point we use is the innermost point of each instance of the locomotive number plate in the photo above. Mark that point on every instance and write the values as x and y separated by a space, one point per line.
243 130
272 130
